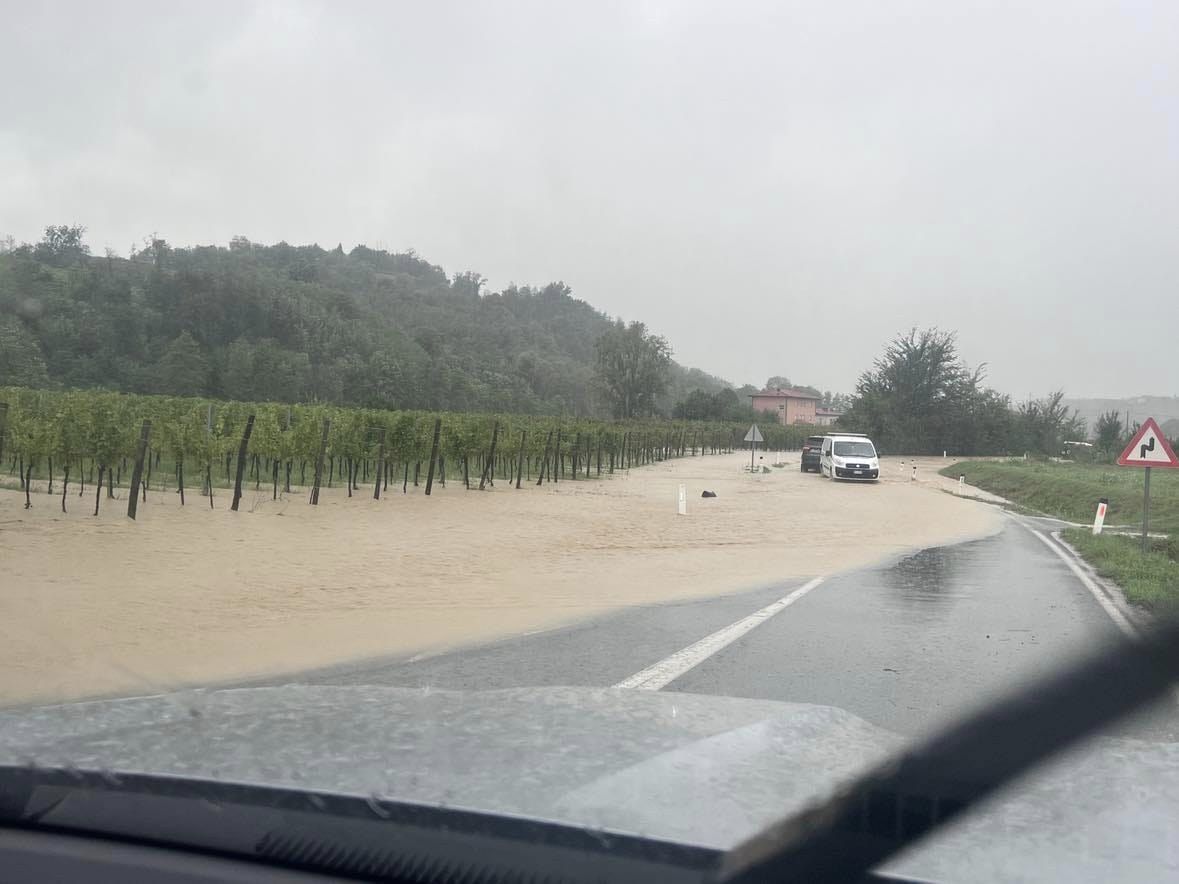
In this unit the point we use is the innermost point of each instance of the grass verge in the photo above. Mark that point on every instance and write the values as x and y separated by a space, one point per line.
1071 491
1150 580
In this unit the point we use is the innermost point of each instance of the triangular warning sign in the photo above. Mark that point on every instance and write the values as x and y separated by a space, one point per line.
754 435
1148 448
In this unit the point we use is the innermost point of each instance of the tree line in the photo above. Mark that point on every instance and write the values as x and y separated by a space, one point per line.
288 323
919 397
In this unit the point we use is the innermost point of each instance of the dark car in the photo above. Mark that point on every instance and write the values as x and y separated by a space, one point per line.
811 450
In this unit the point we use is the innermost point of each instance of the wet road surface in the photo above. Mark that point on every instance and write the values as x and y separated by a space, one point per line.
908 645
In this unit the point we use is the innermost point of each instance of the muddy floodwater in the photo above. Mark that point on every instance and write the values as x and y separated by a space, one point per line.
96 606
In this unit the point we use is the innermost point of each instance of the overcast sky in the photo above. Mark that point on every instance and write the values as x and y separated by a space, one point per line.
778 188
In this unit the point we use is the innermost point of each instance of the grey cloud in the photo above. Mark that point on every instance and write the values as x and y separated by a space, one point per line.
776 187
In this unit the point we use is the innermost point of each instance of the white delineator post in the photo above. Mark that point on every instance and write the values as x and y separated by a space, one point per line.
683 505
961 484
1099 518
913 478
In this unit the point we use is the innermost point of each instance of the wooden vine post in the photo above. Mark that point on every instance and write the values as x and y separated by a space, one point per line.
380 464
323 440
548 444
433 454
520 458
137 472
489 467
558 460
241 463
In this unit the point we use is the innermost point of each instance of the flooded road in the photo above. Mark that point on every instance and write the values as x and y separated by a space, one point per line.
908 645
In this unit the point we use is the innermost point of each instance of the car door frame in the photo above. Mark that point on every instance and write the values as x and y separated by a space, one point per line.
825 457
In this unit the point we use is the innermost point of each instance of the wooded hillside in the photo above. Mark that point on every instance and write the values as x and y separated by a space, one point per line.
289 323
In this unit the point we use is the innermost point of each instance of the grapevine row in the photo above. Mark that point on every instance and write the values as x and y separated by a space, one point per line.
92 436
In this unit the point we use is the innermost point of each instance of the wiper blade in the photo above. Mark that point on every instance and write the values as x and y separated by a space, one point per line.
918 792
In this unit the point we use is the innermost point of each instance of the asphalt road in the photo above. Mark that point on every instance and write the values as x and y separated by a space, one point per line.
907 645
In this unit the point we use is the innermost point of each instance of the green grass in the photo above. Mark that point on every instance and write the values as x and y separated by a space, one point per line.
1071 491
1150 580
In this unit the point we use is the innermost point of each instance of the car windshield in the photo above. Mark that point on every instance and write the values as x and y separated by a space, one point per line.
478 404
842 448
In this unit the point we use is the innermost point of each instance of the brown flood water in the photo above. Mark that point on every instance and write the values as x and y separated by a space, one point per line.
94 606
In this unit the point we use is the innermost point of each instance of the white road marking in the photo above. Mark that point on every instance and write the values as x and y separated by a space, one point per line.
1123 623
667 670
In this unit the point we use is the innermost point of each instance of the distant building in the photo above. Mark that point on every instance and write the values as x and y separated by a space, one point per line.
791 406
825 417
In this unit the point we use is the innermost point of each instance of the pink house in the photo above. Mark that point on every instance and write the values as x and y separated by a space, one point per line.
825 417
791 406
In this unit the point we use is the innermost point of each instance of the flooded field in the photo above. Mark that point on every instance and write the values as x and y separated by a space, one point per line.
183 596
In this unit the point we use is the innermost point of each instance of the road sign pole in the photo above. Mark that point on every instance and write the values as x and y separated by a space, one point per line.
752 451
1148 448
1146 512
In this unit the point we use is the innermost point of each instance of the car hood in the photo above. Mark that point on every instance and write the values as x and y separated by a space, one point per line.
682 767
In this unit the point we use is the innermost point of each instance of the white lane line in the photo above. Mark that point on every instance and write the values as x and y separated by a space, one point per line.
667 670
1115 614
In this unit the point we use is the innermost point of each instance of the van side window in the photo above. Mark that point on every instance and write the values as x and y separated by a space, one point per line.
826 446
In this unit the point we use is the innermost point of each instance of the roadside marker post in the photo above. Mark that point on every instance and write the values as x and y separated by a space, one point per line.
683 504
1149 449
1099 518
961 485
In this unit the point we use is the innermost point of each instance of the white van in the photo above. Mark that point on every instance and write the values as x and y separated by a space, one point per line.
849 456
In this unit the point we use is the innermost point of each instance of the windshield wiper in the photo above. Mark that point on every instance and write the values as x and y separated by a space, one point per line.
914 794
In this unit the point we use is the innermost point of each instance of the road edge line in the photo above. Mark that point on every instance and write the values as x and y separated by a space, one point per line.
667 670
1115 613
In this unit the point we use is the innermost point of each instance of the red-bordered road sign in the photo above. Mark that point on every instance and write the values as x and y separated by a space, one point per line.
1148 448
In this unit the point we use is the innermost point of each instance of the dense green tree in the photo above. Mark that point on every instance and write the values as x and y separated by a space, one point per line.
920 398
1107 433
1044 425
631 369
21 362
723 405
912 392
62 245
182 370
265 371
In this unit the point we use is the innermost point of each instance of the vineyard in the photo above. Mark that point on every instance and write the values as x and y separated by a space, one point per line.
78 440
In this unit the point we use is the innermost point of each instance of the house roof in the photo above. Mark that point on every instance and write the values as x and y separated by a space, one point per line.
785 394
